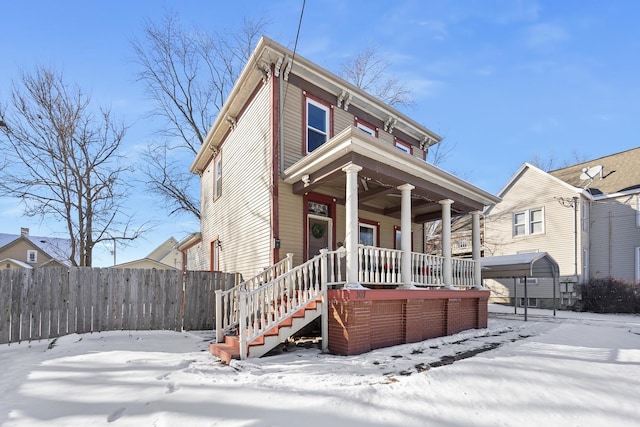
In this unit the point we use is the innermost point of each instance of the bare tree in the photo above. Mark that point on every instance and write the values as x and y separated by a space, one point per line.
552 163
62 161
188 74
371 73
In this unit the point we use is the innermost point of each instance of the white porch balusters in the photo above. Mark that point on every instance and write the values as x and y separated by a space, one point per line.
351 225
475 249
446 243
405 235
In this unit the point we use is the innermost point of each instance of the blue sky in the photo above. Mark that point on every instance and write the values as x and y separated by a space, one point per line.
503 81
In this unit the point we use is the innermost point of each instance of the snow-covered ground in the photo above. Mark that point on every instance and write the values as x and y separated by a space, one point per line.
578 369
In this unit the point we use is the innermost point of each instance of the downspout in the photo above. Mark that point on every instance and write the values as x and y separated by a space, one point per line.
575 237
275 164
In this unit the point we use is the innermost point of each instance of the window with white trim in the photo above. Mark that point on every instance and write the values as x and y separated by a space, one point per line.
532 302
317 126
366 127
217 177
403 146
32 256
585 215
530 221
638 211
368 234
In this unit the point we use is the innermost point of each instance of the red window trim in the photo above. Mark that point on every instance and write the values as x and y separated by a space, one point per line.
397 140
375 224
395 229
357 120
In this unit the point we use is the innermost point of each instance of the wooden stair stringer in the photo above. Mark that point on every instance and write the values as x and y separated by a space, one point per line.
230 348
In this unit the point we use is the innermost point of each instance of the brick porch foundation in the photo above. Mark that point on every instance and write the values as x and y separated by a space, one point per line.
363 320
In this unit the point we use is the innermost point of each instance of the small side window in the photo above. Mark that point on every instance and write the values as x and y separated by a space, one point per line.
32 257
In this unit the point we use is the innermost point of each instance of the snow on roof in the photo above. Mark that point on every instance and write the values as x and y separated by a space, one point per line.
57 248
15 261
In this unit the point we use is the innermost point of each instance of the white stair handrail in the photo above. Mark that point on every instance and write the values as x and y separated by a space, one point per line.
227 309
267 306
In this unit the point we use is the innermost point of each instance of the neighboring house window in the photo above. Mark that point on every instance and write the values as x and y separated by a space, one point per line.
366 127
585 216
401 145
32 257
532 302
317 124
217 177
530 280
638 211
528 222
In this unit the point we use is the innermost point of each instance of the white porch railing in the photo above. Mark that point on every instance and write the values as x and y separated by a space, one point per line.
426 270
257 305
227 308
268 305
463 272
379 265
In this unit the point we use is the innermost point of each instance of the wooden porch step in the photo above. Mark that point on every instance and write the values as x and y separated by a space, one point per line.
230 348
225 352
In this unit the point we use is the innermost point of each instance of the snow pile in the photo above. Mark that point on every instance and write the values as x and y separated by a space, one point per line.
577 369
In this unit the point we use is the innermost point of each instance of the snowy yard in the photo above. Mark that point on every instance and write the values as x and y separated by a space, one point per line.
579 369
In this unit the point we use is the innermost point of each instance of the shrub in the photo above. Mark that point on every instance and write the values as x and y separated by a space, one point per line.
610 296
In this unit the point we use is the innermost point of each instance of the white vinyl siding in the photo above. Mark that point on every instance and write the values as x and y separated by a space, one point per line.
534 190
240 219
614 238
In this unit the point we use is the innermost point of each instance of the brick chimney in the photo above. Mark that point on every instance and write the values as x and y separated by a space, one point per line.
24 232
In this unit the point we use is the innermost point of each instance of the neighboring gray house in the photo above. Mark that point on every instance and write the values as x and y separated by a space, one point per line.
26 251
586 216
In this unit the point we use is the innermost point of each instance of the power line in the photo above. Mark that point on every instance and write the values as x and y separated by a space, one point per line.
295 48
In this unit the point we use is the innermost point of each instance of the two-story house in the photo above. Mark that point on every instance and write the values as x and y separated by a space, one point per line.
299 161
586 216
25 251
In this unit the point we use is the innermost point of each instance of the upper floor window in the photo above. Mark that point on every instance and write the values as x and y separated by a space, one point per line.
401 145
366 127
32 256
317 124
585 216
217 177
530 221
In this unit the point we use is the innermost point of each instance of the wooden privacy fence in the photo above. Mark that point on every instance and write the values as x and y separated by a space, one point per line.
55 301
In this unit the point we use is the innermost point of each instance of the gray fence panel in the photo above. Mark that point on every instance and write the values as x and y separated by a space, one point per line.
49 302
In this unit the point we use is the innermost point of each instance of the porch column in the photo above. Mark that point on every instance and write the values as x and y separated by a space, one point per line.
405 235
447 275
475 249
351 225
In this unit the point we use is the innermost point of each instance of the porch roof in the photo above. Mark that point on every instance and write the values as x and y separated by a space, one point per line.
384 169
530 264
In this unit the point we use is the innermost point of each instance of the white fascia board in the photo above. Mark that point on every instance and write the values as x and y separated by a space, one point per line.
615 195
354 140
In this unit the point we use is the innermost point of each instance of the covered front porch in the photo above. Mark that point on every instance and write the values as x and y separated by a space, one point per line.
372 177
